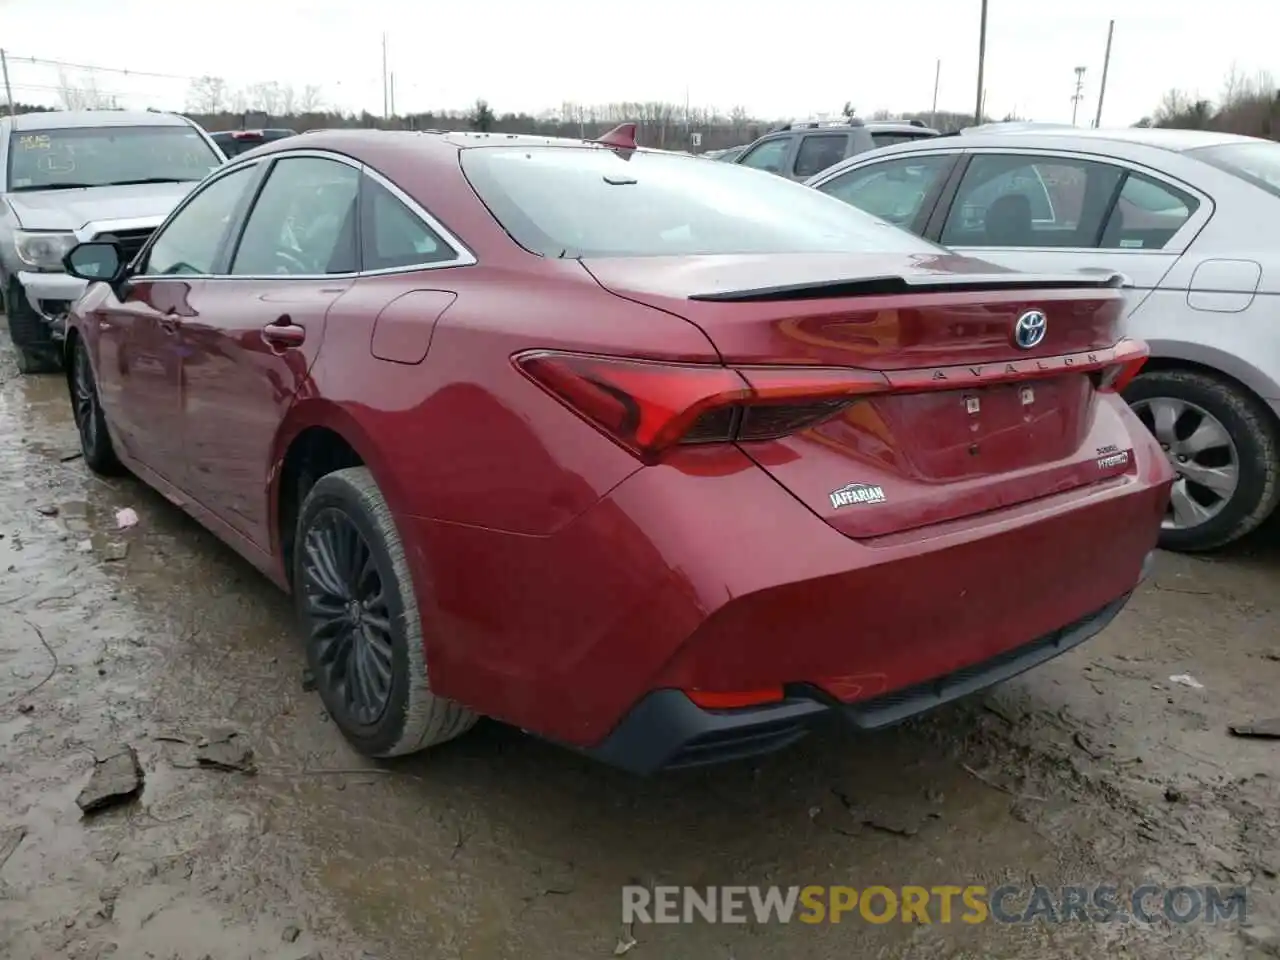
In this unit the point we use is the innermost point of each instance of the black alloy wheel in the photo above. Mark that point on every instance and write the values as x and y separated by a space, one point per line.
348 616
359 616
86 411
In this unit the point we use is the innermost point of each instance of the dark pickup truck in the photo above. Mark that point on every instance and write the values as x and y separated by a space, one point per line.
235 142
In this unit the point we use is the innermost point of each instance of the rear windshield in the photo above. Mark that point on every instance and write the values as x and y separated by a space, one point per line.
588 202
102 156
1259 163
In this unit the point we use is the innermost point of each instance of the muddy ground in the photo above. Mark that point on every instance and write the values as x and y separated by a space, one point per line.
1094 769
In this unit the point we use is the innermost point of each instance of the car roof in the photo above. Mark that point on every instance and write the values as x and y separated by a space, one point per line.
1051 137
1159 137
899 126
361 139
69 119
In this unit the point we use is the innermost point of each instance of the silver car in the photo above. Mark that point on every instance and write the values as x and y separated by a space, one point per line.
1192 218
76 175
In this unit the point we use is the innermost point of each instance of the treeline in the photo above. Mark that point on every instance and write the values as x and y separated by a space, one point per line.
1248 105
215 105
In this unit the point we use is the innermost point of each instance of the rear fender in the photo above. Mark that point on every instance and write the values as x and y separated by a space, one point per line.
316 412
1211 359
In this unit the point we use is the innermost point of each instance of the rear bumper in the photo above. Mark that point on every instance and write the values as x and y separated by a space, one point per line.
707 576
667 731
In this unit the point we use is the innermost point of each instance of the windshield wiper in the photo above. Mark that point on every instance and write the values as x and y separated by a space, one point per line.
134 183
52 186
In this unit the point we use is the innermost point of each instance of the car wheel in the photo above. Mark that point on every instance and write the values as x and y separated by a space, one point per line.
86 411
1223 445
33 343
361 623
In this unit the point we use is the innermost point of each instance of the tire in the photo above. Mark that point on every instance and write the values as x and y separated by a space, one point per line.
1254 445
36 350
86 411
401 715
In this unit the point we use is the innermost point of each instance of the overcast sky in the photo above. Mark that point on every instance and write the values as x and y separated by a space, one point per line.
533 56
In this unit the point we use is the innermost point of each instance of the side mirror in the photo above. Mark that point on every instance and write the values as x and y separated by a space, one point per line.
95 260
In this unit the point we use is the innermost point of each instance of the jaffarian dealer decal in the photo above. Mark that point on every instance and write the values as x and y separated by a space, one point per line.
856 493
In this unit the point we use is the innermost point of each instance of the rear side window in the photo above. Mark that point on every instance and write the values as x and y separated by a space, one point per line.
1007 200
819 151
591 202
394 236
1147 214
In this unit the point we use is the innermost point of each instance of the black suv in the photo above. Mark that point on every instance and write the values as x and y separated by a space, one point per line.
799 150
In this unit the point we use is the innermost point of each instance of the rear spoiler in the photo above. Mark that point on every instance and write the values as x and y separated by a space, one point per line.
944 283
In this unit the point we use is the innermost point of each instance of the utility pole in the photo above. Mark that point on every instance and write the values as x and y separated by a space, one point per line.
386 103
1106 63
8 90
1078 95
937 75
393 93
982 63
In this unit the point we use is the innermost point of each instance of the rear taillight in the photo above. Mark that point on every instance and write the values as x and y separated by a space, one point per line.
1127 360
648 406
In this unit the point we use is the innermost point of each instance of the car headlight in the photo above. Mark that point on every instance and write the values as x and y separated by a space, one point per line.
43 249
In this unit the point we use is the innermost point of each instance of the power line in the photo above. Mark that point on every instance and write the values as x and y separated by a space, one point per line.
42 61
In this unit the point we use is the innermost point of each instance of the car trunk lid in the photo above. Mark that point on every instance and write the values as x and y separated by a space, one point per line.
963 413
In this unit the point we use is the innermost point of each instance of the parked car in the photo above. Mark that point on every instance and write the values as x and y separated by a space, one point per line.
797 151
726 155
80 175
235 142
1189 217
801 150
662 459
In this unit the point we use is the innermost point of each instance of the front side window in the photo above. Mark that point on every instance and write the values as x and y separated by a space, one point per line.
893 190
770 155
304 221
393 235
1008 200
592 202
75 157
189 243
819 151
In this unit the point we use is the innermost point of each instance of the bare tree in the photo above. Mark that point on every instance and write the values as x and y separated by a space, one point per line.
288 100
207 95
265 97
311 100
83 94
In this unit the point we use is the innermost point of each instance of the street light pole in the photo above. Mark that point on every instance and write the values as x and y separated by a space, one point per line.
937 76
1106 64
982 62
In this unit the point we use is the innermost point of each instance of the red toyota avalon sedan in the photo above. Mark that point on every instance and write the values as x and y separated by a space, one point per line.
660 459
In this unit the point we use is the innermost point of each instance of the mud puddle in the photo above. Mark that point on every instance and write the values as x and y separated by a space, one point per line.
500 846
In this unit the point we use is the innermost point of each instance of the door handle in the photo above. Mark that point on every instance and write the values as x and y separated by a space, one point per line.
283 332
